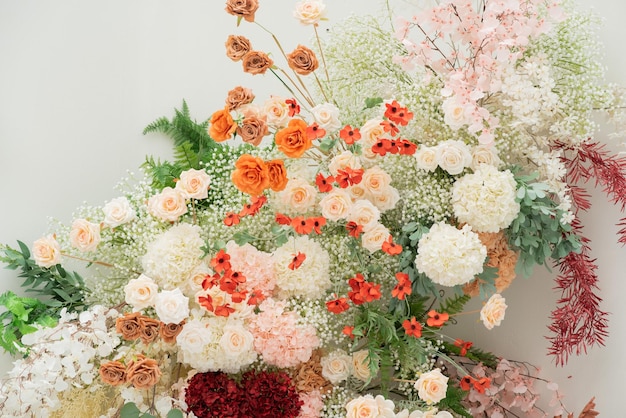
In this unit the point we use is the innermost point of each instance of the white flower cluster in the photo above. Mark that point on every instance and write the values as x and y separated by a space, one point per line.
485 199
60 358
450 256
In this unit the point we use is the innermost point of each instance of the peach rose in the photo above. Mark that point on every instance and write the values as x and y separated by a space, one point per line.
364 213
84 235
47 251
242 8
276 112
129 326
293 140
386 200
251 175
143 373
169 205
238 97
278 175
302 60
237 46
336 205
493 312
432 386
299 195
113 373
222 125
169 332
149 329
252 130
256 62
426 158
140 292
373 239
194 184
361 365
342 161
310 12
117 212
376 180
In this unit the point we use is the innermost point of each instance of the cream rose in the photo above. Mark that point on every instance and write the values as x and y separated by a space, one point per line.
140 293
455 114
117 212
357 191
299 195
169 205
493 312
276 112
336 366
426 158
194 184
373 239
369 407
432 386
336 204
361 365
453 156
171 306
342 161
371 132
310 12
376 181
47 251
386 200
194 337
485 154
327 116
84 235
236 340
364 213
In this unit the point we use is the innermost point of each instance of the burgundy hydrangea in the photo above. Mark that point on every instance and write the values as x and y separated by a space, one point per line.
213 394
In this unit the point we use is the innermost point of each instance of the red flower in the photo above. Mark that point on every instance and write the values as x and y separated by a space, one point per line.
224 310
412 327
382 147
364 292
324 184
481 384
348 177
467 382
347 330
297 261
314 131
283 219
206 302
221 262
238 297
231 219
464 345
302 225
210 281
252 208
268 395
337 306
256 297
398 114
235 276
407 147
354 230
318 223
294 107
228 285
436 319
390 127
403 288
213 394
349 134
390 247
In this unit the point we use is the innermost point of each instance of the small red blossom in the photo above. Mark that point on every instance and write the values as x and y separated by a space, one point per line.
398 114
224 310
324 184
283 219
232 219
238 297
294 107
302 225
337 306
407 147
206 302
464 345
403 288
297 261
256 297
412 327
228 285
354 230
382 147
364 292
318 223
436 319
348 177
349 135
481 384
314 131
390 127
210 281
235 276
467 382
391 247
221 262
347 330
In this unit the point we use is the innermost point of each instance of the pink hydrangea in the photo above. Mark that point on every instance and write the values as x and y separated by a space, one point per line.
313 404
256 266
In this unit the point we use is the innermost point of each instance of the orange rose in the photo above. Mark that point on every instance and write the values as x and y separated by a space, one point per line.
237 46
149 329
143 373
293 140
302 60
222 125
256 62
242 8
238 97
252 130
113 373
278 175
169 332
129 326
251 175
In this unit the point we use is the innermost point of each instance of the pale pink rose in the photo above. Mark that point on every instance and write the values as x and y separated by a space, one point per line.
171 306
327 116
376 181
117 212
336 205
369 407
299 196
194 184
84 235
140 293
276 112
364 213
373 239
169 205
432 386
493 312
336 366
46 251
310 12
342 161
426 158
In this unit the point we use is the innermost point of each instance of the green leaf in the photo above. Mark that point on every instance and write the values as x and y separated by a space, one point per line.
371 102
25 250
175 413
129 410
327 144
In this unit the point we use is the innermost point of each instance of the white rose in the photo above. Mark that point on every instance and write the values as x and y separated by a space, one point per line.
364 213
236 340
194 336
168 205
336 205
426 158
141 292
327 116
493 312
369 407
455 114
276 112
453 156
373 239
84 235
118 212
431 413
310 12
376 180
298 196
432 386
194 184
387 199
171 306
485 154
47 251
336 366
343 160
361 365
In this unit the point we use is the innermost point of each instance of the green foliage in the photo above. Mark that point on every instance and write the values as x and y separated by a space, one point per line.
371 102
453 402
454 304
474 354
130 410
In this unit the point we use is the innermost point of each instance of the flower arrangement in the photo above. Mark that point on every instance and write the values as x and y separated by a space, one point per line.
310 269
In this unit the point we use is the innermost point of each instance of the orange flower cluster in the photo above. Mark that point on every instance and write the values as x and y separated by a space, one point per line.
252 175
134 325
301 224
363 291
142 372
479 384
463 345
403 288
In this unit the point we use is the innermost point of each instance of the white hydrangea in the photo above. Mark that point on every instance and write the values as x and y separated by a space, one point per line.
485 199
311 279
173 255
450 256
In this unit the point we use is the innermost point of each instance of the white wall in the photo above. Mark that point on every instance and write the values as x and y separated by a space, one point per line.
79 80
